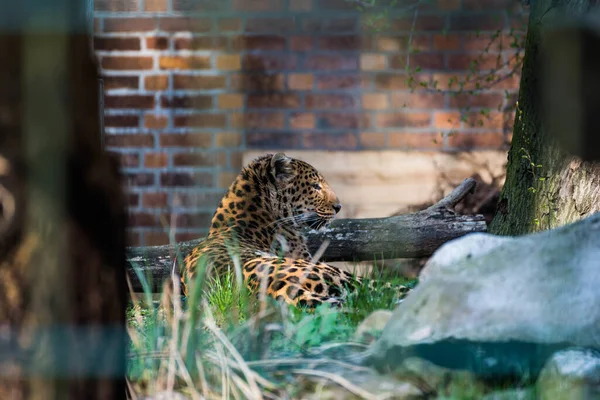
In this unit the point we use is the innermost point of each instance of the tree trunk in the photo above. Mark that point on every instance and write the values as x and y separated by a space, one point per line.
62 219
368 239
545 186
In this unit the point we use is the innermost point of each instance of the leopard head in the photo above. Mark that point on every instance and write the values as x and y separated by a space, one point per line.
303 194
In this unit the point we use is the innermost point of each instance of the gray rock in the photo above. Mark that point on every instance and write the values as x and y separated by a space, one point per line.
372 326
571 374
483 300
511 394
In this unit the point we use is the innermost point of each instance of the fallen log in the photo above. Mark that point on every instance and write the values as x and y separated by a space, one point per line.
368 239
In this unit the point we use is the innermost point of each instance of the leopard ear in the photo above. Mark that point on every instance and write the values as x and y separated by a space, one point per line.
281 167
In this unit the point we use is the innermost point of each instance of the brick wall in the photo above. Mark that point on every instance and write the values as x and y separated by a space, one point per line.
191 84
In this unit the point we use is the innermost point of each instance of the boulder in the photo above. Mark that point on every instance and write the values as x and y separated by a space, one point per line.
500 305
570 374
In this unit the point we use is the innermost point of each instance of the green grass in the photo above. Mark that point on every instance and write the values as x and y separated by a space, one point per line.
225 341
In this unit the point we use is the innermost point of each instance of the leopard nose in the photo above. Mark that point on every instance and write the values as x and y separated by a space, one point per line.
337 207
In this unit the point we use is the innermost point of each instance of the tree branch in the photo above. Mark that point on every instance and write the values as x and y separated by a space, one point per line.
367 239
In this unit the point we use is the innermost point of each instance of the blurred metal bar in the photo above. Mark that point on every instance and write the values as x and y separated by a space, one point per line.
101 110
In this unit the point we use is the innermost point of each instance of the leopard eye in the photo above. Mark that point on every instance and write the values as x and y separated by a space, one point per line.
316 186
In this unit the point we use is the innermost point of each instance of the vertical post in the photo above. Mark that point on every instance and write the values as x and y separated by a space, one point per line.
101 110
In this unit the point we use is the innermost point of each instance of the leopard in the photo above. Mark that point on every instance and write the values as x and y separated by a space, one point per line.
261 224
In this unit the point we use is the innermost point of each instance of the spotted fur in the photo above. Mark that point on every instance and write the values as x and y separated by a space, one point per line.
261 219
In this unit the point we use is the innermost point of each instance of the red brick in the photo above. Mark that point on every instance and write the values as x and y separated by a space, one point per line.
415 140
196 199
152 121
396 44
154 200
262 120
180 62
301 5
408 100
337 81
156 238
372 139
492 42
156 5
125 62
199 102
257 5
129 101
341 42
202 43
375 101
474 22
258 42
133 199
114 44
230 101
373 62
302 121
157 43
200 120
121 82
478 140
129 24
228 139
422 23
116 5
343 120
300 81
448 5
156 82
255 82
139 179
268 62
485 120
447 119
324 62
198 82
330 101
156 160
337 141
128 160
301 43
121 121
229 25
186 179
452 81
329 24
446 42
229 62
391 81
199 159
133 238
462 100
403 119
426 61
474 62
273 100
270 25
129 140
193 220
202 140
273 140
487 5
141 219
184 24
187 236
